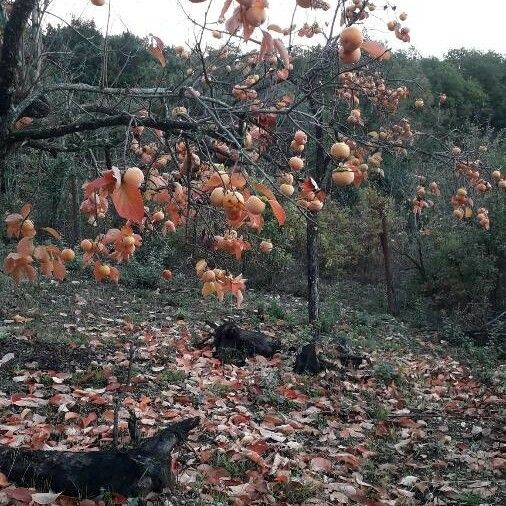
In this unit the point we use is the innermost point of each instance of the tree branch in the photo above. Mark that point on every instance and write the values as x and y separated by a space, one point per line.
123 119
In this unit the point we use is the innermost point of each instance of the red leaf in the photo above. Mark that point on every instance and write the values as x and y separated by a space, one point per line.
349 459
309 185
259 447
89 419
19 494
128 202
110 179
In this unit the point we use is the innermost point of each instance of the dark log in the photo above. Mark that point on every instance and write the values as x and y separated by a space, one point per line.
233 344
130 473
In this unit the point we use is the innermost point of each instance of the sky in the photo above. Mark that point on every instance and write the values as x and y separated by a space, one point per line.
436 25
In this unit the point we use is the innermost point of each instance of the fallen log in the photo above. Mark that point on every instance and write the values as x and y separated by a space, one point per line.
130 473
233 344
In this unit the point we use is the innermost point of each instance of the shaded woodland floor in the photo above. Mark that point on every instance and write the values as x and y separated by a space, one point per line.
412 425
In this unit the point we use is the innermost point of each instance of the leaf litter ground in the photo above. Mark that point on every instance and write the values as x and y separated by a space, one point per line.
410 426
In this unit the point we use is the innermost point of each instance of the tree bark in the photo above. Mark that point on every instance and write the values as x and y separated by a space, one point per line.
9 57
313 274
312 231
9 60
393 307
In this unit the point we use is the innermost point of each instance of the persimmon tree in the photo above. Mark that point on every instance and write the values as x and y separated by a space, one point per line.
259 126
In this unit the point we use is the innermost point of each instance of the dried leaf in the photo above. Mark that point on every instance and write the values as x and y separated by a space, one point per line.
156 50
45 499
26 210
52 232
283 52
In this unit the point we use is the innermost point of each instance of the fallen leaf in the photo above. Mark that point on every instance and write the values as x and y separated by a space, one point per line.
45 499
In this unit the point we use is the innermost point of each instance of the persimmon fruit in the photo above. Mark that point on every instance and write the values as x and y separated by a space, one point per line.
86 245
351 38
340 151
67 255
287 189
217 196
104 270
133 176
255 205
343 177
296 163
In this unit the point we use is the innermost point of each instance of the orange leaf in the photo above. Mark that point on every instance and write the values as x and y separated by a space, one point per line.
114 275
376 50
469 212
157 51
237 180
59 270
265 190
278 211
276 207
25 246
3 480
52 232
266 47
128 202
26 210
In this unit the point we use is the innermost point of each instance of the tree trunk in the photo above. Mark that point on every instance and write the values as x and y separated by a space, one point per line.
313 274
9 59
393 307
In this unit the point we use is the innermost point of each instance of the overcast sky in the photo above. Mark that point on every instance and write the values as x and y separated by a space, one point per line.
436 25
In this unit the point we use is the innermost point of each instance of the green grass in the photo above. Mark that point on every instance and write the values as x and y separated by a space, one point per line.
386 373
297 493
236 468
470 500
173 377
219 389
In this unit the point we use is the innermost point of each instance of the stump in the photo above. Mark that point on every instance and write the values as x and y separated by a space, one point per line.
310 359
130 473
